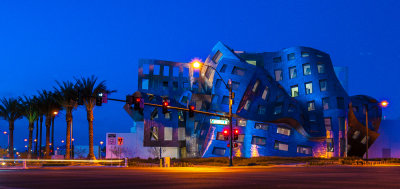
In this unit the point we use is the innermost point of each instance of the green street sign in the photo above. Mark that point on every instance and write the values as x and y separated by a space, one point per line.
219 121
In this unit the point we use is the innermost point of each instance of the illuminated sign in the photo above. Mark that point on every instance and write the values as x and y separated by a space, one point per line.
219 121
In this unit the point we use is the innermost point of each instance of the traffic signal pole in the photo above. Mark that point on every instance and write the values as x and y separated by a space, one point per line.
230 123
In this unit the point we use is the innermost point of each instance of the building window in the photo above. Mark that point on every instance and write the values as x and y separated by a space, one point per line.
281 146
319 56
185 72
255 86
247 105
167 133
181 133
175 85
294 91
186 85
325 103
265 93
340 102
261 126
154 114
306 69
291 108
258 140
196 73
278 75
156 70
304 150
166 71
292 72
209 71
165 85
312 118
329 145
261 109
238 71
145 84
323 85
311 106
277 59
235 85
153 133
175 71
146 68
252 62
364 140
217 56
283 130
342 123
305 54
220 136
240 138
225 100
242 122
328 123
219 151
321 68
291 56
278 109
167 116
308 88
356 134
223 69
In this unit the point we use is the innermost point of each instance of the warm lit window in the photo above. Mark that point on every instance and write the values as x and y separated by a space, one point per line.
311 106
281 146
247 105
292 72
304 150
308 87
252 62
325 103
258 140
209 71
181 133
220 136
238 71
321 68
242 122
323 84
305 54
277 59
306 69
291 56
356 134
265 93
294 91
217 56
156 70
146 68
255 86
283 130
167 133
167 115
328 123
166 71
262 126
278 75
261 109
364 140
145 84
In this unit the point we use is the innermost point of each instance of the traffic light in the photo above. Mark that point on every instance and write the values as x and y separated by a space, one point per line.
129 99
139 104
191 111
225 132
80 98
235 145
236 134
99 99
165 106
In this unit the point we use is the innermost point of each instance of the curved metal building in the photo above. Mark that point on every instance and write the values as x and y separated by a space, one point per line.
286 103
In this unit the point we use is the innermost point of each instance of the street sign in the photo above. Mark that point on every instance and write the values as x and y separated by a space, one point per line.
111 139
120 140
219 121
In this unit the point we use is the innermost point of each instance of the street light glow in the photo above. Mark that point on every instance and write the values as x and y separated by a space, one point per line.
384 103
55 112
101 142
5 132
196 63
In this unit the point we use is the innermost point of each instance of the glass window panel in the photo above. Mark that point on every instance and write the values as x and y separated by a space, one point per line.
291 56
242 122
262 126
309 89
145 84
255 86
294 91
175 85
325 103
281 146
235 85
323 85
265 93
291 108
356 134
223 69
220 136
306 69
247 105
278 109
209 71
217 56
311 106
277 59
261 109
278 75
156 70
185 72
154 114
258 140
166 71
175 71
167 133
305 54
225 100
219 151
154 133
181 133
328 123
292 72
238 71
340 102
146 68
321 68
283 131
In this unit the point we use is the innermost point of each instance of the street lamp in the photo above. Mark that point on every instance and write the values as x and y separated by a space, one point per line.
8 141
101 145
197 64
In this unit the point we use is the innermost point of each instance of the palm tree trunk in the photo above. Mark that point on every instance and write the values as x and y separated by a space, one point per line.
31 127
11 139
41 138
68 117
90 119
48 126
52 135
37 134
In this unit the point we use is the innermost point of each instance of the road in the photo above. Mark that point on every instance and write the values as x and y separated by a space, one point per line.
196 177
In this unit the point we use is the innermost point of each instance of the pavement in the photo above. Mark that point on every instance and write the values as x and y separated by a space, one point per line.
203 177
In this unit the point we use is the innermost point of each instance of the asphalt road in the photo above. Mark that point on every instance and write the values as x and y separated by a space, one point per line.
237 177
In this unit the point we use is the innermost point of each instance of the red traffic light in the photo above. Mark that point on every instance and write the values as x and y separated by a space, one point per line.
165 103
225 132
236 131
191 107
137 99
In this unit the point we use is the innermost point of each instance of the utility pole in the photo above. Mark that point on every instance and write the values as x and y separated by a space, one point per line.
230 122
366 125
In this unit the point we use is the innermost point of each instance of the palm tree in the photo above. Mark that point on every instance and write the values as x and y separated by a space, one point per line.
30 112
67 99
90 88
50 105
41 106
10 110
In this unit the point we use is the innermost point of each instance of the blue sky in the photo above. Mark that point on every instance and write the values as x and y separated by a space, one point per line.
44 41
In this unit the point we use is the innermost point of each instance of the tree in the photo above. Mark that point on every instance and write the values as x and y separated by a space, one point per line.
67 99
89 88
49 105
10 110
30 112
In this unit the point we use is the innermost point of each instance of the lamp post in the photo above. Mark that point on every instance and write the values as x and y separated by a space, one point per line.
8 142
55 113
101 145
197 64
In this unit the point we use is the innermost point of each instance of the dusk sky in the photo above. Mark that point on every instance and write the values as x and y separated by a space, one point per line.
44 41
